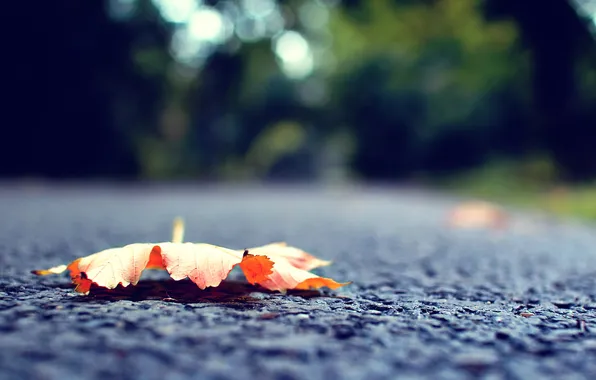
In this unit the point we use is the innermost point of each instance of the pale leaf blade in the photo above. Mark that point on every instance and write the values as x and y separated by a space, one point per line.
204 264
115 266
295 256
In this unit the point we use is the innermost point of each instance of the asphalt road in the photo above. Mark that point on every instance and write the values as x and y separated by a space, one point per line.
427 302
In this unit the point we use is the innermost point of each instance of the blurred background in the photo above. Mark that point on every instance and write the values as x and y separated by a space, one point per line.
495 97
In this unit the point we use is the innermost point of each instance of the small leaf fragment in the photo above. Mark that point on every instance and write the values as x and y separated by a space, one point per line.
478 214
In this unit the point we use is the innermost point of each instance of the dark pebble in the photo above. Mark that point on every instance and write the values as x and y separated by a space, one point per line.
343 331
563 304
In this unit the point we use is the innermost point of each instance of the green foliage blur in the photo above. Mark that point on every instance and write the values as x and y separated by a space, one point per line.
321 90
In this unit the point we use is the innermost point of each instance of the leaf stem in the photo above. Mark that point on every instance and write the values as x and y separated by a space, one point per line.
178 230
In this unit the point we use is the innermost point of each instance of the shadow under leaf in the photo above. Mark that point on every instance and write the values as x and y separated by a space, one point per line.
185 291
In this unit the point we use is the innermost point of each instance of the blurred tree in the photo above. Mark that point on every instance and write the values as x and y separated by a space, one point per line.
557 38
159 89
85 96
433 104
214 101
384 121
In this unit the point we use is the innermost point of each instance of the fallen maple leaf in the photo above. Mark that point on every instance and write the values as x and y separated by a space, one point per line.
275 266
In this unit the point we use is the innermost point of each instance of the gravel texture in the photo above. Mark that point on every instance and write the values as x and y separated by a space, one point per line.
427 302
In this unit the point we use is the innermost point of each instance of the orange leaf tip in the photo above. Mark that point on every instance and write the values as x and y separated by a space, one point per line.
82 282
155 259
320 282
255 268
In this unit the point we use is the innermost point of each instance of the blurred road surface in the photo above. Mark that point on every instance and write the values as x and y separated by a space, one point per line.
427 301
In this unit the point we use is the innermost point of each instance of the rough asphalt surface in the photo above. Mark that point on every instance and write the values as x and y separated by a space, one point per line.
427 302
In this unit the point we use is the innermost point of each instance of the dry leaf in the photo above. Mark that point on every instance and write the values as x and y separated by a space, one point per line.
274 266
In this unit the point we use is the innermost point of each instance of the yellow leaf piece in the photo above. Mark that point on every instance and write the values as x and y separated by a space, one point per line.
55 270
